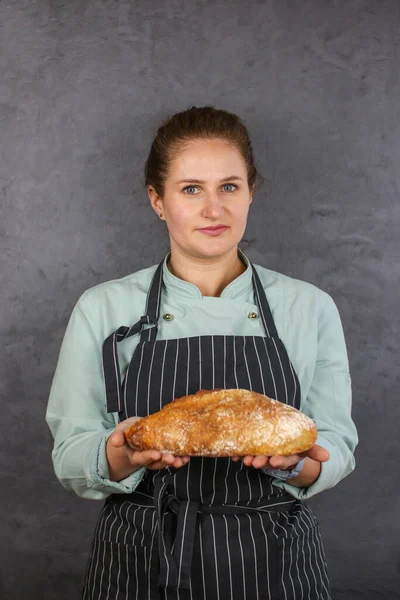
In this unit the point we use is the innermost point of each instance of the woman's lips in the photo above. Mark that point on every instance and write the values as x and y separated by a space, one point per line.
214 230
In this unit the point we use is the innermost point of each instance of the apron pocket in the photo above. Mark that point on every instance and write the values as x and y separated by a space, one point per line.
127 523
301 566
120 571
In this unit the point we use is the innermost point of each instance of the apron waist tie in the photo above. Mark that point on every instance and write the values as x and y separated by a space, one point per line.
176 547
176 541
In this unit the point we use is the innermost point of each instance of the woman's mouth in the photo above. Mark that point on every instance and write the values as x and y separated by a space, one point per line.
216 230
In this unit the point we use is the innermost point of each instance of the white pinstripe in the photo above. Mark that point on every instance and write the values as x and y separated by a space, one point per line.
224 361
297 566
176 367
201 480
202 560
215 555
241 552
102 571
137 385
128 527
246 362
182 545
226 480
283 374
109 574
212 362
229 556
255 555
149 379
162 373
187 370
234 364
135 548
144 516
119 570
116 371
153 529
270 369
161 525
267 554
259 364
249 483
112 524
214 481
295 385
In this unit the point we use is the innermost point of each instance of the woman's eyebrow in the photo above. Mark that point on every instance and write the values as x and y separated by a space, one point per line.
230 178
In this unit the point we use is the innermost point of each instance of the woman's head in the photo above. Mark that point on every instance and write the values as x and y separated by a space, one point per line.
200 173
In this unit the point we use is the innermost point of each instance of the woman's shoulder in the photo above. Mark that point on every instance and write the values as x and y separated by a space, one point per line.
290 287
119 291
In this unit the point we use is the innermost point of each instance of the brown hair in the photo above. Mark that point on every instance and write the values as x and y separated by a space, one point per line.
203 122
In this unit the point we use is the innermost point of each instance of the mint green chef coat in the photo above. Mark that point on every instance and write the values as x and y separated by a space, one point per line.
306 319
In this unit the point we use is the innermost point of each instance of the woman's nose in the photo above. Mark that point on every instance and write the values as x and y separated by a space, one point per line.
213 207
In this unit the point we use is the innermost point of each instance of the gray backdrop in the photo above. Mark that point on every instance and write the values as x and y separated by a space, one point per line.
83 87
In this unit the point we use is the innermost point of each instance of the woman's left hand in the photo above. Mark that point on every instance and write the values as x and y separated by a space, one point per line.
317 453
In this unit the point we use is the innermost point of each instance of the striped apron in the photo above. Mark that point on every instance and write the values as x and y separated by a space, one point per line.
213 529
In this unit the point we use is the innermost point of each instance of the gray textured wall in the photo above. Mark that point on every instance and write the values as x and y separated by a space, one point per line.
83 86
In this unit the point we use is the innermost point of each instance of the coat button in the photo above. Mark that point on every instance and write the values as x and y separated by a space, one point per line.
252 315
168 317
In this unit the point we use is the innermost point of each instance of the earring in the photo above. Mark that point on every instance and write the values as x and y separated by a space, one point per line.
160 215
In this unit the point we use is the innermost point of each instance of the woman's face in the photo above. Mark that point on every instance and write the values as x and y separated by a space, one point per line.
219 197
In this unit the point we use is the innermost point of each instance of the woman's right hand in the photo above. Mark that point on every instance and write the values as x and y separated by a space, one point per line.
122 460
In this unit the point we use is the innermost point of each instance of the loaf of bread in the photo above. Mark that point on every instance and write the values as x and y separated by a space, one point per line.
234 422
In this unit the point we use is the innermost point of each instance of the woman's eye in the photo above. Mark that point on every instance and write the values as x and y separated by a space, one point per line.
189 187
232 184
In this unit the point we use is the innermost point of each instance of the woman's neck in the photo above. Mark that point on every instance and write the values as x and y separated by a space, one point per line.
212 275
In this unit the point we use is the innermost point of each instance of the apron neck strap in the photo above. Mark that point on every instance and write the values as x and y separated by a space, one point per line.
262 302
153 304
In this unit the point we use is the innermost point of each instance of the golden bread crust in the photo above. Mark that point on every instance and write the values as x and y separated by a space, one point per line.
220 422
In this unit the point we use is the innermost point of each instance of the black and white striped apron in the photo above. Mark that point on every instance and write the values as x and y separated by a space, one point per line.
213 529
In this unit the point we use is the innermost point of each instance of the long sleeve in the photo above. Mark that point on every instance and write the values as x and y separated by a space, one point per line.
76 412
328 403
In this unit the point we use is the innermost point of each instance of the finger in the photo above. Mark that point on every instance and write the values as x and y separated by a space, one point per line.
178 462
248 460
235 458
143 459
260 461
156 466
126 423
283 462
167 459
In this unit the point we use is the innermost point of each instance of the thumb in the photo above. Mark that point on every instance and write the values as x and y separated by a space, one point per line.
318 453
117 438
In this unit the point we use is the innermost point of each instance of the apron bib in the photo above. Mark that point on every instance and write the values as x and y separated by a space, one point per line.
213 529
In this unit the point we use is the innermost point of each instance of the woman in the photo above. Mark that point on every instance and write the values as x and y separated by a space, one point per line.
205 317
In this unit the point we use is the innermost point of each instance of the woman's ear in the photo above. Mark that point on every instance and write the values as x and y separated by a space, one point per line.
155 201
